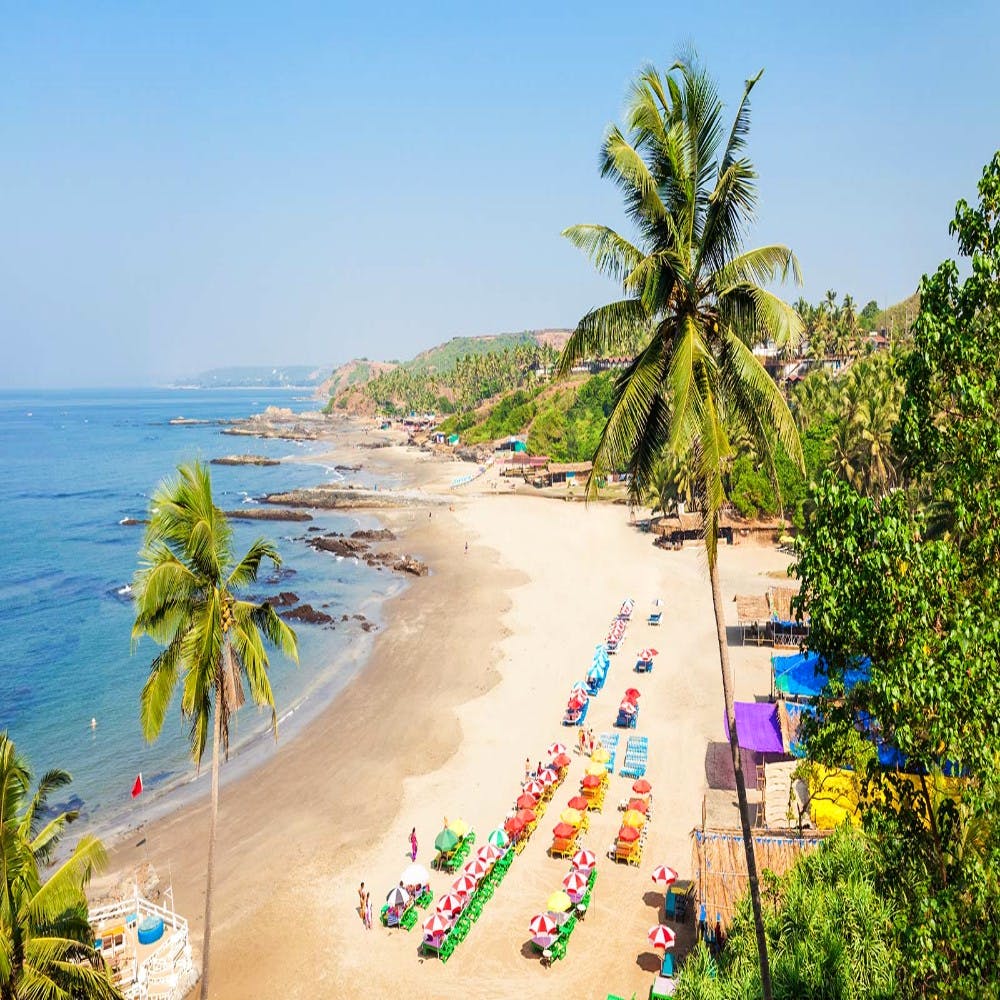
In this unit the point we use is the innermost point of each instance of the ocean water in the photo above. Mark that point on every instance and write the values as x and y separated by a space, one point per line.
74 465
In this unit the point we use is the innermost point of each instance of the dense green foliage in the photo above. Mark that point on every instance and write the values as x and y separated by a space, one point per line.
569 427
443 358
46 944
910 578
827 924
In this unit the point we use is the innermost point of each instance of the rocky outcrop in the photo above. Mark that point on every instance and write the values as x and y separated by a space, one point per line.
283 600
358 546
338 545
374 534
308 614
267 514
245 460
344 498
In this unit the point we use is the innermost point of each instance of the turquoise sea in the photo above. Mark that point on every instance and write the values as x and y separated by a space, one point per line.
74 465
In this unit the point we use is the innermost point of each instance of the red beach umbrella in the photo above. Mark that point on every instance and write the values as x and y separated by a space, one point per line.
591 781
464 884
450 904
513 826
577 699
664 875
546 776
661 936
477 868
561 760
542 924
647 654
628 834
489 852
564 831
632 695
585 860
535 788
526 816
579 803
436 924
555 749
575 882
639 805
642 786
526 801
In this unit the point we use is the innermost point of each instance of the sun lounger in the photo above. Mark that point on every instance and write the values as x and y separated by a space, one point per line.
654 618
562 848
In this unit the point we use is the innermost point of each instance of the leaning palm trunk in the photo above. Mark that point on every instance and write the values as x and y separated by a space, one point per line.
206 943
741 785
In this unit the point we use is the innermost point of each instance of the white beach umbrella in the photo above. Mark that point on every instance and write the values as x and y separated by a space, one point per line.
415 875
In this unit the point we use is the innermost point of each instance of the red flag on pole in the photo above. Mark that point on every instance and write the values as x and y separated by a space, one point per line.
137 787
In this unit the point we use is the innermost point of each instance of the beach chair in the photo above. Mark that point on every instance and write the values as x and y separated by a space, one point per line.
409 919
670 906
623 852
655 617
562 848
667 965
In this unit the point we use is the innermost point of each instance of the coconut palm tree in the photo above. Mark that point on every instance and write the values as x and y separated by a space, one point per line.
46 944
699 303
185 599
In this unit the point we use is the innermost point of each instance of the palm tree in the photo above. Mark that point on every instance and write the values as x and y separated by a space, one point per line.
697 300
46 944
185 599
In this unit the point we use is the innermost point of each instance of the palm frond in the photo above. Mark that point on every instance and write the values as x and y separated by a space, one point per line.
245 571
603 331
610 253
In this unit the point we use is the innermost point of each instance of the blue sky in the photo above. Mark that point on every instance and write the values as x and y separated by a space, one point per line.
189 185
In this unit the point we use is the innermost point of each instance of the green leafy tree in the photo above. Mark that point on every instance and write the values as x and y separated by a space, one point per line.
46 944
830 930
185 595
696 303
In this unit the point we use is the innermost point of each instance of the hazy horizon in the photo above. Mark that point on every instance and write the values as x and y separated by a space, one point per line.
202 188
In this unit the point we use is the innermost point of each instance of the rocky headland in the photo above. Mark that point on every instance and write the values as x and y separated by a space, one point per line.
245 460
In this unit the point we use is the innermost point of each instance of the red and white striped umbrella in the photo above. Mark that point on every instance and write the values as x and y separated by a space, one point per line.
534 788
489 853
585 860
664 875
477 868
450 904
661 936
436 924
542 924
575 882
464 884
555 749
547 776
647 654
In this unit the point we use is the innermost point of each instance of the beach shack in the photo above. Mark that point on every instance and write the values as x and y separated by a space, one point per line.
437 438
452 440
570 473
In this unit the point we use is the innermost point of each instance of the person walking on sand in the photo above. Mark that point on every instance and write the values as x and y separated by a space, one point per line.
413 844
527 768
466 548
368 911
361 901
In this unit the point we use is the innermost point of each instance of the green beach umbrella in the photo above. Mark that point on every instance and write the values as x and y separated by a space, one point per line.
498 838
446 840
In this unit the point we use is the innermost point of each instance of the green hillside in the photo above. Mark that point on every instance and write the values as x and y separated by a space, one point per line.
898 318
442 359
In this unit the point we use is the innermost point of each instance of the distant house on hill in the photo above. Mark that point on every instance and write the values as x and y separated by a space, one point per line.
608 364
512 443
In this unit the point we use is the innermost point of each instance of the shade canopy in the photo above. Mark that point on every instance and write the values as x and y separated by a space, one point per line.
526 801
558 902
571 816
464 884
633 818
646 655
596 770
398 896
542 923
575 882
446 840
643 787
450 904
556 748
805 674
561 760
526 816
415 875
591 781
489 852
757 727
435 924
585 860
478 868
513 826
459 826
579 803
632 695
600 756
564 831
638 805
661 936
664 875
498 838
628 834
534 788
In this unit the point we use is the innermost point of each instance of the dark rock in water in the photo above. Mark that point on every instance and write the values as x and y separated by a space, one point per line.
375 535
369 626
314 527
73 804
267 514
339 546
133 520
344 618
245 460
280 574
347 468
308 614
283 600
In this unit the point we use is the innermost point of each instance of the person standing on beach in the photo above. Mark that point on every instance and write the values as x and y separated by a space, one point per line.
361 901
527 768
413 844
368 911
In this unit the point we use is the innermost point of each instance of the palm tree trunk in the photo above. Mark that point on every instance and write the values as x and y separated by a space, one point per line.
741 788
213 821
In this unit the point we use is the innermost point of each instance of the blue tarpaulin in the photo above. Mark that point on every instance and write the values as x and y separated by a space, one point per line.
805 674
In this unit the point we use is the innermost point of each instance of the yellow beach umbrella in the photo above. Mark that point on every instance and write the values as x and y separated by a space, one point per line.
597 770
571 816
558 902
633 818
458 827
600 755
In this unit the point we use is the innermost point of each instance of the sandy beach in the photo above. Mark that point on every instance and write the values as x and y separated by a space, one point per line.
469 677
